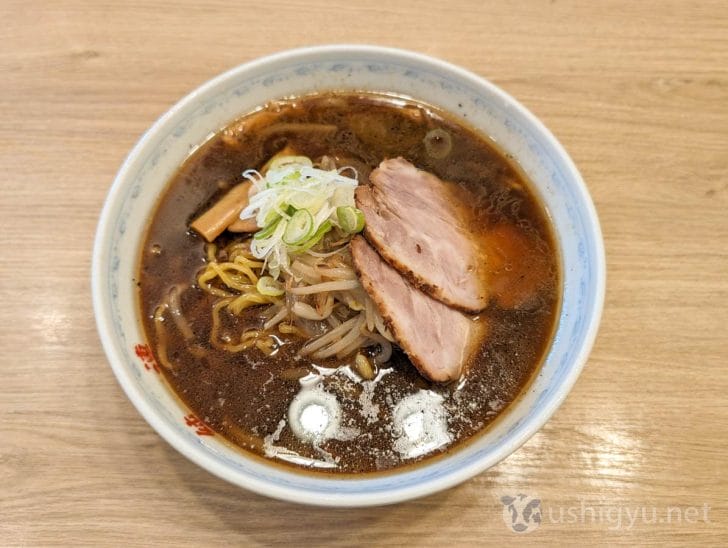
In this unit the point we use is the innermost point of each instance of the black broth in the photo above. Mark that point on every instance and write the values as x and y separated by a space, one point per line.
245 396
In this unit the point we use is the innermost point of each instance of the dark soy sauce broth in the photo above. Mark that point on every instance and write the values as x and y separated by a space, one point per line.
245 396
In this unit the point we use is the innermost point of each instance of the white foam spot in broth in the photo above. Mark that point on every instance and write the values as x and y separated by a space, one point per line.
420 424
314 415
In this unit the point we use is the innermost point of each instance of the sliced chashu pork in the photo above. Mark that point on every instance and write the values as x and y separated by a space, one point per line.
438 339
419 225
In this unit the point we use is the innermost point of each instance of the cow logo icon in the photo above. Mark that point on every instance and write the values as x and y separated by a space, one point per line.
522 514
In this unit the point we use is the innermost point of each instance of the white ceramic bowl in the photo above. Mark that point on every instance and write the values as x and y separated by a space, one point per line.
190 122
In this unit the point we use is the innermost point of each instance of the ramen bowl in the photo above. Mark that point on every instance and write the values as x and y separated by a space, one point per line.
165 146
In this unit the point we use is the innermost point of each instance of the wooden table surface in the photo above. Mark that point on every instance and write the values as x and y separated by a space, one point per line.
638 94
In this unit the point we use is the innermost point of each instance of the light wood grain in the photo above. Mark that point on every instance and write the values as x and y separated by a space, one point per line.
636 91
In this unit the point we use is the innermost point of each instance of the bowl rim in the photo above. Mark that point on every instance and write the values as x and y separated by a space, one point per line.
198 455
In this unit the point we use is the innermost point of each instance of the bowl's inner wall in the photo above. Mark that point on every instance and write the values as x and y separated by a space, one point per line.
192 121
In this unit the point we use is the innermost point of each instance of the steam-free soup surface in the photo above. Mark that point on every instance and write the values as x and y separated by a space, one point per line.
398 418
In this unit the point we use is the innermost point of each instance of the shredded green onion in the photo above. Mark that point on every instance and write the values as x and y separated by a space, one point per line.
299 228
351 219
316 238
268 286
296 204
268 229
